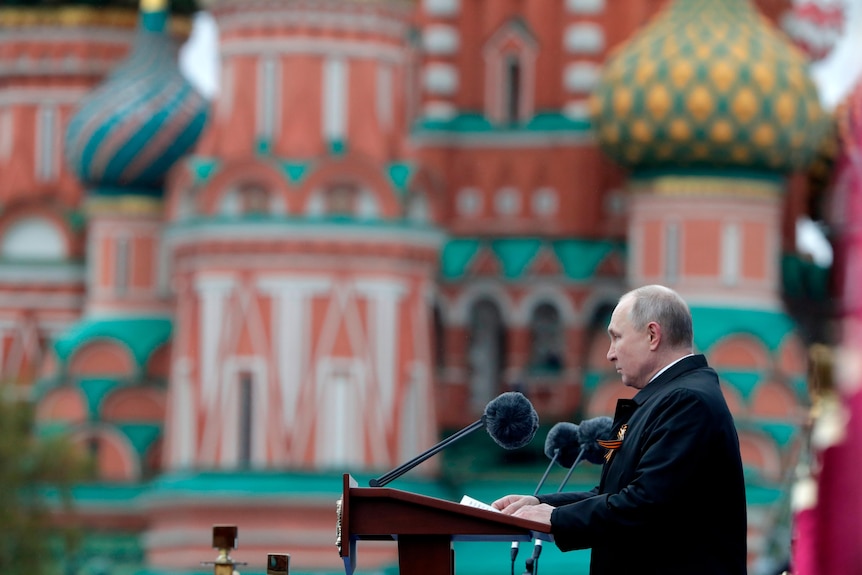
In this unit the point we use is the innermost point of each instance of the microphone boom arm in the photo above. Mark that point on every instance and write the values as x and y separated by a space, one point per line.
404 468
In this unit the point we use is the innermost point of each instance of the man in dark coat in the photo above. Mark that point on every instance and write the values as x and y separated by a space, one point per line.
671 499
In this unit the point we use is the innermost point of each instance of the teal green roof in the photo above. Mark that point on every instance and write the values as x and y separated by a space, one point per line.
743 381
579 259
455 256
515 255
141 336
141 435
712 324
782 432
470 122
295 171
400 174
274 483
202 168
95 390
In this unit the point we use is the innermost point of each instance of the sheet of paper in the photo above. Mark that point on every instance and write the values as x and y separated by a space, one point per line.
467 500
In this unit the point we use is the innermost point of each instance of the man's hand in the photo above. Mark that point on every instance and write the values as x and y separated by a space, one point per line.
541 513
511 503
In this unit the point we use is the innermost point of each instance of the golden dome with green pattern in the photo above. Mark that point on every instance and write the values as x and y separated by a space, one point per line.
708 84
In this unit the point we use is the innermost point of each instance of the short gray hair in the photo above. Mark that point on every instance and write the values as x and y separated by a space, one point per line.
665 307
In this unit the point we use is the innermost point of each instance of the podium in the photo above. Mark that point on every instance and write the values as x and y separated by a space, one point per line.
424 527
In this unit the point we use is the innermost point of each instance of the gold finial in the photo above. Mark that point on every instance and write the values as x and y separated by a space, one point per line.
154 5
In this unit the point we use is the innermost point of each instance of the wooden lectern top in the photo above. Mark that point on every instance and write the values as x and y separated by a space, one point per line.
381 513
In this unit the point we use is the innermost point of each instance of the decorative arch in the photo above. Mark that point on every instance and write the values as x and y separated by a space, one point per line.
158 365
487 349
428 187
759 452
134 404
775 400
739 352
152 464
603 400
114 455
792 357
546 293
597 307
734 400
264 174
351 170
547 338
66 404
464 303
100 357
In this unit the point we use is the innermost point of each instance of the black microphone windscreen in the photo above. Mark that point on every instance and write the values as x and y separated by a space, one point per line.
511 420
563 436
589 432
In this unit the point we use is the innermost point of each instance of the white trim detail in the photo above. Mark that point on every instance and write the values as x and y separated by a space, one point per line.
7 132
440 79
47 143
581 76
730 252
585 6
441 7
439 110
584 38
545 201
291 328
577 109
269 97
33 238
343 49
385 97
469 202
182 427
507 201
227 90
440 39
335 98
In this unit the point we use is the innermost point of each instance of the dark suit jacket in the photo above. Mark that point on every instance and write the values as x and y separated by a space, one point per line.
672 498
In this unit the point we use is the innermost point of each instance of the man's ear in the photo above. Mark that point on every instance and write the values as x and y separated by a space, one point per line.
654 334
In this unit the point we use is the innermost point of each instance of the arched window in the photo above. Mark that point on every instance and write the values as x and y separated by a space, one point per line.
512 83
546 340
487 350
33 238
510 61
246 199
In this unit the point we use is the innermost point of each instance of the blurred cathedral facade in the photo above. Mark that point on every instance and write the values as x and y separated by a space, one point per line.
392 212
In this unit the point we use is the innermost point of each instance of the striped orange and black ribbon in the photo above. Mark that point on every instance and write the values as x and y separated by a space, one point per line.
613 444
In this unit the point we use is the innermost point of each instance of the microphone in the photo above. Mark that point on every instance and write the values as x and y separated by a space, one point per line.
562 445
509 419
589 433
569 444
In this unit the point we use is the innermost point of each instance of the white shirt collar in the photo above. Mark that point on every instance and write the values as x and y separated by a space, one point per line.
668 366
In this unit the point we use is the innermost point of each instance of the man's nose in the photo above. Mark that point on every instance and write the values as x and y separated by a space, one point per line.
611 353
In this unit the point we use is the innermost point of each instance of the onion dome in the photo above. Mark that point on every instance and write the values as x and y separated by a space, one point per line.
815 25
128 133
708 84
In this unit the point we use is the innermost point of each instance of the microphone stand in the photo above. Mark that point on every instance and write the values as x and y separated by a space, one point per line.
537 546
538 543
404 468
572 468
